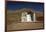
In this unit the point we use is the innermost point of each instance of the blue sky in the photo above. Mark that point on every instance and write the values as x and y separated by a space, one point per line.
19 5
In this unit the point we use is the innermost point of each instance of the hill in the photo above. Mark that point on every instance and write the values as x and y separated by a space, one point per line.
15 16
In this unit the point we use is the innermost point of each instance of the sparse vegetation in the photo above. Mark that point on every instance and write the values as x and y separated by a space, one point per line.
15 17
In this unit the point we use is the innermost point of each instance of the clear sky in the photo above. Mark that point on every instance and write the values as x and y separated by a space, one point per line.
19 5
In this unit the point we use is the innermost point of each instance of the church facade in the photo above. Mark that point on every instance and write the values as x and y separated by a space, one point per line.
28 17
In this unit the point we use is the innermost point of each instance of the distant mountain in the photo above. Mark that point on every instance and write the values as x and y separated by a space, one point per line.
26 10
15 16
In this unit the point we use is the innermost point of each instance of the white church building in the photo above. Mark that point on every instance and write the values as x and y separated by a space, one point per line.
25 17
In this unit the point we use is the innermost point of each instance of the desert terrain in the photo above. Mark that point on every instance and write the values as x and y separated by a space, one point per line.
14 21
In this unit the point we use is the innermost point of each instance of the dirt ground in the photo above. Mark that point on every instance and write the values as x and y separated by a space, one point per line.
21 26
14 22
25 26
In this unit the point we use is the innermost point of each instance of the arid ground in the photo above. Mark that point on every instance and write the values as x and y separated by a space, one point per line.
14 21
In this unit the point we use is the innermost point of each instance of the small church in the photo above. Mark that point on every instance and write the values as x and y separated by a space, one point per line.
28 17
